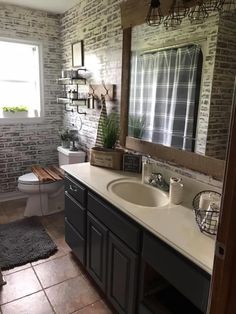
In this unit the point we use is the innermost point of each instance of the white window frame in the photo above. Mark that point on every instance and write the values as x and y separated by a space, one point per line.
29 120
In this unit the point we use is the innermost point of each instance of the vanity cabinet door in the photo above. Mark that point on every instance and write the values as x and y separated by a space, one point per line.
122 276
97 235
75 241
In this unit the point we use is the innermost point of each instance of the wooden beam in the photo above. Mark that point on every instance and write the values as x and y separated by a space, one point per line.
125 80
203 164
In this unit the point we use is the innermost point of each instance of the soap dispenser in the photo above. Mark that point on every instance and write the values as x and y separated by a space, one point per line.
146 170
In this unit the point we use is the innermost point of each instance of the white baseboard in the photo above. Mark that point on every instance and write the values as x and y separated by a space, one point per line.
11 196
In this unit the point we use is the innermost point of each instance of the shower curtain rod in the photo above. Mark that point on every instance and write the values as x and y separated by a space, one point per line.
173 46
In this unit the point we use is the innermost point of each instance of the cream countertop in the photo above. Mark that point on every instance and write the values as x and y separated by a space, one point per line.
174 224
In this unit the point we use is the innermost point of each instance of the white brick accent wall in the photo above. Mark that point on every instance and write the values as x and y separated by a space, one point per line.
22 146
98 24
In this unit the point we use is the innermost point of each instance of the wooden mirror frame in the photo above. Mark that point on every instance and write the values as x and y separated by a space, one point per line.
203 164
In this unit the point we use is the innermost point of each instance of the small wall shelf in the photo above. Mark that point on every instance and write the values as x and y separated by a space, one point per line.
72 81
78 102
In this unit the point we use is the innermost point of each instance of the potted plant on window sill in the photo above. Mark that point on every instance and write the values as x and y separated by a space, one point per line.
15 112
108 155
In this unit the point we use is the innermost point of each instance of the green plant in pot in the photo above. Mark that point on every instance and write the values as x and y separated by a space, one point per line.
136 126
108 156
110 131
15 109
65 137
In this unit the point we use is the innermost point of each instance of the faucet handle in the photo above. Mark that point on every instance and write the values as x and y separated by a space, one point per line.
158 176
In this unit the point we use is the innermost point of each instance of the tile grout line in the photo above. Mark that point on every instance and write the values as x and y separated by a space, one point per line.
79 275
43 290
17 299
84 307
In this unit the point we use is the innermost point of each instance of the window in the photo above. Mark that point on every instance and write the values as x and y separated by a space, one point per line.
20 80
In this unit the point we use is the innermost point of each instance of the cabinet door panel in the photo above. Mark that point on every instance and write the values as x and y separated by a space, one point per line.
97 250
122 276
75 241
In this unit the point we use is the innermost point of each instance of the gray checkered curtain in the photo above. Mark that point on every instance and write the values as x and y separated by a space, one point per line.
164 89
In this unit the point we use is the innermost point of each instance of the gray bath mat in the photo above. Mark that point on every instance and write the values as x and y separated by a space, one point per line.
24 241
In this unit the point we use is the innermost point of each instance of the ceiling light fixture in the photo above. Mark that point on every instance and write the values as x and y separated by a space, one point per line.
198 14
176 14
154 16
212 5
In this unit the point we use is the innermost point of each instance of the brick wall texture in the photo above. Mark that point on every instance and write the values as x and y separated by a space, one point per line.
22 146
222 89
98 23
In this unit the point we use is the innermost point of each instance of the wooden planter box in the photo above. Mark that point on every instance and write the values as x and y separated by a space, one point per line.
107 158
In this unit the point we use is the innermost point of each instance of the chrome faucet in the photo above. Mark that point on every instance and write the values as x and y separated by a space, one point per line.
157 180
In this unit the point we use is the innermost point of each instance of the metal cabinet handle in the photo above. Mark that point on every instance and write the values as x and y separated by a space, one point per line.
73 189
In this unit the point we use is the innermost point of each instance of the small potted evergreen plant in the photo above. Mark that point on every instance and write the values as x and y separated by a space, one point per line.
108 155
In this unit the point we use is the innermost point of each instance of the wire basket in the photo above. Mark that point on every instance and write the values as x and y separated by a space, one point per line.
207 219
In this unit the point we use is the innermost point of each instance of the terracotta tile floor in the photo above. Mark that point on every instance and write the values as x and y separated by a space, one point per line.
54 285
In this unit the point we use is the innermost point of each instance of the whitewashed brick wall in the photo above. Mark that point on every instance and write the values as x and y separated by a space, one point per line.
98 23
222 92
22 146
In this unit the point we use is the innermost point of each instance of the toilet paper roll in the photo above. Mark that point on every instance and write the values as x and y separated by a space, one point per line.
176 191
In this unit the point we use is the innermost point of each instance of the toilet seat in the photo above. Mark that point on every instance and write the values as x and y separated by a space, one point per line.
29 178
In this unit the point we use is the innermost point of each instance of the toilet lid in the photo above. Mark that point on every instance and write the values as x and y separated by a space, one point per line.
29 178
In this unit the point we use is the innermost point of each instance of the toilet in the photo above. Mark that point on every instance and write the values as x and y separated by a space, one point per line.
47 198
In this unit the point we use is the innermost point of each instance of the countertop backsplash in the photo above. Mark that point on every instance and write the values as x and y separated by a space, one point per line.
194 182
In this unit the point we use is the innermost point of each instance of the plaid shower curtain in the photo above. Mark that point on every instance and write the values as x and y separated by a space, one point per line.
165 87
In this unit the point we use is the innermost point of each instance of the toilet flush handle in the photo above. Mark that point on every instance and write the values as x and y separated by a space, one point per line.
73 189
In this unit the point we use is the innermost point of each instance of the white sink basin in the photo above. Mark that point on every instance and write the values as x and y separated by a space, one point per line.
137 193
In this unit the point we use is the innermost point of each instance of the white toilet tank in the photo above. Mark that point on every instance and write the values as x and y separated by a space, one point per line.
67 157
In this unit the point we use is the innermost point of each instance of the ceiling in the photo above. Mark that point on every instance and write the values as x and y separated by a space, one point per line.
46 5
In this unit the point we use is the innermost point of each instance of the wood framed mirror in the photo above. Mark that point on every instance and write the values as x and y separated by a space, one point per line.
210 159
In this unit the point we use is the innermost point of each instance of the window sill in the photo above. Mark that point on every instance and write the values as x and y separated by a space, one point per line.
19 120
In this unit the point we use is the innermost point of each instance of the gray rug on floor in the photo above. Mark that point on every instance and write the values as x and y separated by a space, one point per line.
24 241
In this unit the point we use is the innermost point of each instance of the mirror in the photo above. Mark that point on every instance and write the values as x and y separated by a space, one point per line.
181 85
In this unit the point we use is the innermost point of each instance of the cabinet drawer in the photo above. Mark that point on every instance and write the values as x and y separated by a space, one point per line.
187 278
75 241
118 224
76 190
75 214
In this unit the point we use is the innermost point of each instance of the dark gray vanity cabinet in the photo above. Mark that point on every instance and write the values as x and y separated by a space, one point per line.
97 235
121 237
75 218
137 271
